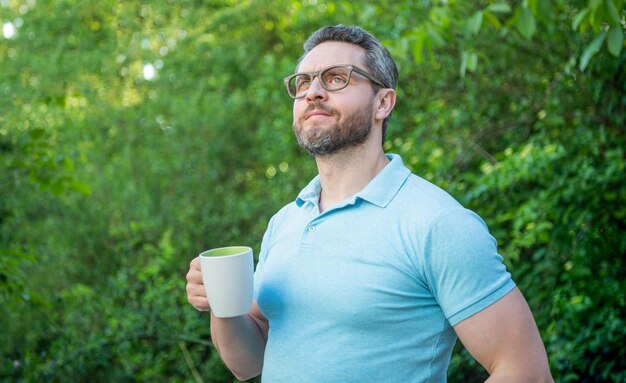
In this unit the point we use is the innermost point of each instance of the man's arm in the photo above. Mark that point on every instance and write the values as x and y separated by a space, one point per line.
505 340
240 340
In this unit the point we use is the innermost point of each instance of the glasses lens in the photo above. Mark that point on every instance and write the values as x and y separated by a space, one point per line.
335 78
299 84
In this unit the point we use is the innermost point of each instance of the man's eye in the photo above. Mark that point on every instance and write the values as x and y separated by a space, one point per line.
303 84
337 80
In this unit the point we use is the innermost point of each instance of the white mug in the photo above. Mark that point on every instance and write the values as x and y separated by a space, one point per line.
228 274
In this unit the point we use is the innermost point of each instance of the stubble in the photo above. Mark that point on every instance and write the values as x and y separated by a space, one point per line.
322 141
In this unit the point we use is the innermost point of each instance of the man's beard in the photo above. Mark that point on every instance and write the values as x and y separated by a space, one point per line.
330 140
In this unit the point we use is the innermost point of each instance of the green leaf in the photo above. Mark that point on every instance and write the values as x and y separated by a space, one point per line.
474 23
469 62
593 4
499 8
435 38
491 18
68 164
615 41
611 10
81 188
472 62
463 67
440 16
597 16
590 50
532 4
418 49
526 22
579 18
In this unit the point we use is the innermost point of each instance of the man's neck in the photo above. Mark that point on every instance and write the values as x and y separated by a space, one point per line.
346 173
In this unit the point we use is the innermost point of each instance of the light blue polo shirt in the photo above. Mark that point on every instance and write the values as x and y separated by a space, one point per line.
369 290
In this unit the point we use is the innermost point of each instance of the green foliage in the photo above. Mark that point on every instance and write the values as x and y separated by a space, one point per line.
600 16
133 136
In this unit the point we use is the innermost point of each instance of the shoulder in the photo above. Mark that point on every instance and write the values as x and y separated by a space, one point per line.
283 215
430 193
425 201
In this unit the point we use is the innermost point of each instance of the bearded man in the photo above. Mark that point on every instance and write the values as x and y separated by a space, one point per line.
372 273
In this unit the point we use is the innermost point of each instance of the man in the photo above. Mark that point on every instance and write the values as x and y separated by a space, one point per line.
372 273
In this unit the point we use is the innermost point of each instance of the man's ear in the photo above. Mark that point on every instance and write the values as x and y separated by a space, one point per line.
385 101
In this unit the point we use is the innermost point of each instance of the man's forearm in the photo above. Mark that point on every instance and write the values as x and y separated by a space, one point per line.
241 344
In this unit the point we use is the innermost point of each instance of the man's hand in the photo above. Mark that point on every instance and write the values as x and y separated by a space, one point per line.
196 295
239 340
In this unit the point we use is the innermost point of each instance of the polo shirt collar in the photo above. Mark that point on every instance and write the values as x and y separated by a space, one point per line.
311 193
380 191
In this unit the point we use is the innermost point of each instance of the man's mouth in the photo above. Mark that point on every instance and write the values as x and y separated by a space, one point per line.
317 110
316 113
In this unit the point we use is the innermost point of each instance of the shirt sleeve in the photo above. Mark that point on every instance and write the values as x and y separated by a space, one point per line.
464 270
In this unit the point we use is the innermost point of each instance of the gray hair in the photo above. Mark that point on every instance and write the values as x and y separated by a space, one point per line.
378 60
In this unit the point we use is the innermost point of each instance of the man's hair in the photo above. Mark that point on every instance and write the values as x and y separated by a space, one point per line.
378 60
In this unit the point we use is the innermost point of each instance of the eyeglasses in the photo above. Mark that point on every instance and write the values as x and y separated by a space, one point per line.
332 78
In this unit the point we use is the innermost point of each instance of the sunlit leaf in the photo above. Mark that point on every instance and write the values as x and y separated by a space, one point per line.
472 62
68 164
474 22
418 49
597 16
492 19
578 19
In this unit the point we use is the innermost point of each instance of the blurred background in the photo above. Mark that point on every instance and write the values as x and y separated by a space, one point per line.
134 135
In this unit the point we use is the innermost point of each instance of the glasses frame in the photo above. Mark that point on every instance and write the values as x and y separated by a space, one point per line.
352 68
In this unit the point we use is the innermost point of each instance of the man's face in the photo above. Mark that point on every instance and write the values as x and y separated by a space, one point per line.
326 122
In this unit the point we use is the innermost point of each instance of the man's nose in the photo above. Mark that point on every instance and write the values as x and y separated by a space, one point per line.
316 91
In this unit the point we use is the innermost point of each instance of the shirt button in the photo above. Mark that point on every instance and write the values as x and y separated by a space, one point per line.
311 228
